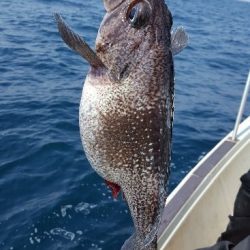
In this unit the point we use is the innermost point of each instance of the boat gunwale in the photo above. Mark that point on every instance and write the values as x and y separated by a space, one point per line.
182 193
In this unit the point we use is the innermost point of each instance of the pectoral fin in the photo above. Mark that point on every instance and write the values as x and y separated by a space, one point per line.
179 40
76 43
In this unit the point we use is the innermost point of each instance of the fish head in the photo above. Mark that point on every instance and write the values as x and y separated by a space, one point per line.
129 30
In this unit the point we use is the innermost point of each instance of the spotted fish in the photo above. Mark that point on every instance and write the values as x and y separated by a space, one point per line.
126 109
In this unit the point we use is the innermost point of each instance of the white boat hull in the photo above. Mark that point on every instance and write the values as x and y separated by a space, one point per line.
197 211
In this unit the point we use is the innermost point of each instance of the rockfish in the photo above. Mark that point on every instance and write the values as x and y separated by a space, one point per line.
126 110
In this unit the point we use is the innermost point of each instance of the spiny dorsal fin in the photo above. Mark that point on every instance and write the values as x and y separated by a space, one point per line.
179 40
76 43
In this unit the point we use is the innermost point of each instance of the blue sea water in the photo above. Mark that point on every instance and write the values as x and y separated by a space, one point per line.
50 198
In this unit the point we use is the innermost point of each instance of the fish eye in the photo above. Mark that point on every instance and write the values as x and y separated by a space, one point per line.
138 14
132 14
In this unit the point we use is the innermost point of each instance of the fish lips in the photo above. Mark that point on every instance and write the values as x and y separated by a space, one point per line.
112 4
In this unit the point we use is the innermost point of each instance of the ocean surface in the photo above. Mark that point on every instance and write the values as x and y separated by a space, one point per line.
50 197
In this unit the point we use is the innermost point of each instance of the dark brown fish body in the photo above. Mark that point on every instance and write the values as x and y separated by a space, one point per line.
126 110
126 125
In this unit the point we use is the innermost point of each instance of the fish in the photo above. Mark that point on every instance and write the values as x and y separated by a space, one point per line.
127 105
